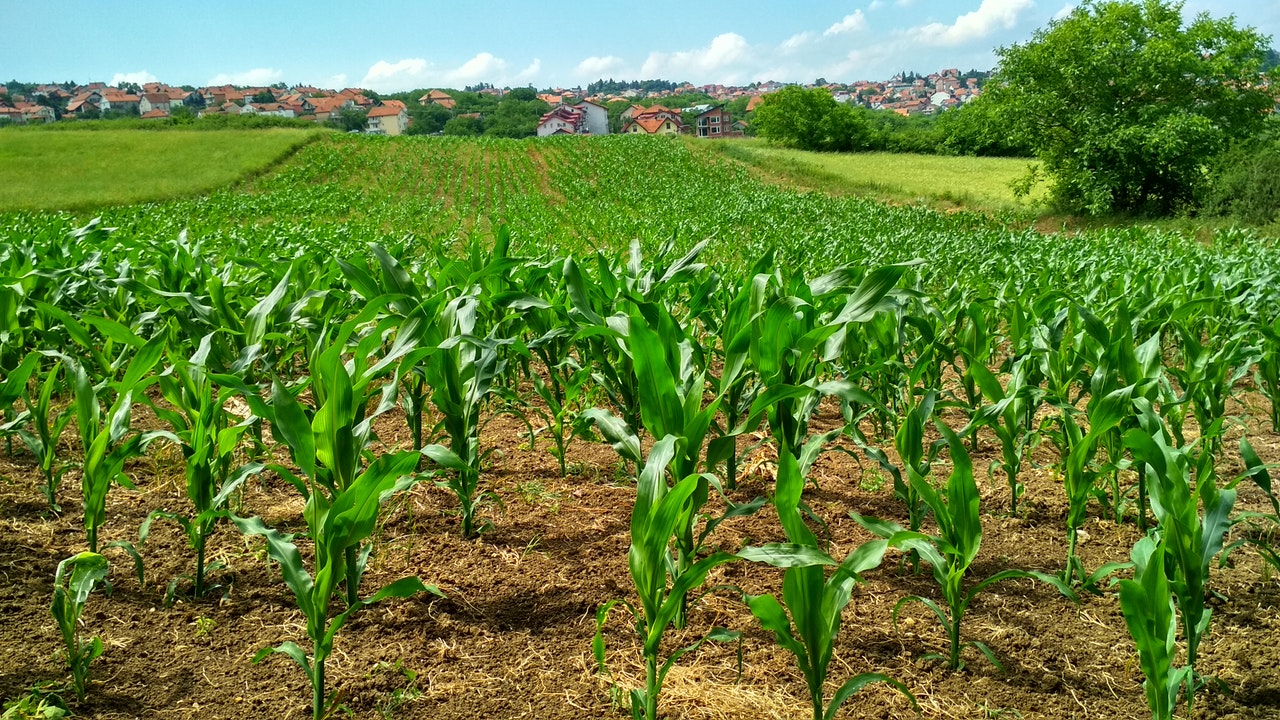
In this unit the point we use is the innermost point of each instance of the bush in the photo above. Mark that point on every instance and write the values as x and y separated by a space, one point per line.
1245 182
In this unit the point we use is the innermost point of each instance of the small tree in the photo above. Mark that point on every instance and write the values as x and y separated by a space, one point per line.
810 120
349 119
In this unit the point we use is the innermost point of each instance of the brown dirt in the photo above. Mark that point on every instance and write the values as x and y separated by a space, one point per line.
513 637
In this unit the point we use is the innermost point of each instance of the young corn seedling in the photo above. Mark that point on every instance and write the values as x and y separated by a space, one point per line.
1262 526
72 584
792 341
461 374
671 405
331 447
1009 415
13 387
916 459
1147 603
807 620
1194 516
337 525
654 519
204 430
952 551
1266 363
1080 477
45 431
735 383
106 440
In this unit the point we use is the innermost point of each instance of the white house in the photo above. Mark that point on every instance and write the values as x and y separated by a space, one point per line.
597 117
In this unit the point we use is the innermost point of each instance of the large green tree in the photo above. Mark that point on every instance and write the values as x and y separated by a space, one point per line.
1125 103
810 120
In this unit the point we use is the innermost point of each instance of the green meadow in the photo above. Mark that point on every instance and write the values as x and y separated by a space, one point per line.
87 169
974 183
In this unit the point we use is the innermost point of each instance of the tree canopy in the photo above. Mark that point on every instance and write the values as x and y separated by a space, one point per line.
810 120
1125 105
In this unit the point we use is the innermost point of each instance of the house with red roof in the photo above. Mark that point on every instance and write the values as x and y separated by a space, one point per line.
389 118
563 120
438 97
656 120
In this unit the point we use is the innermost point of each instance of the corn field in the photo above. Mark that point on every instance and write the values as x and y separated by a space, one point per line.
428 427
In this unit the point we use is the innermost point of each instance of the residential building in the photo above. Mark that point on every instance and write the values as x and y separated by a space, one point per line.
714 123
438 97
390 118
154 101
656 120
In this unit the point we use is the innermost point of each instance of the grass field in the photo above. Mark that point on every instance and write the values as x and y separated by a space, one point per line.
83 170
974 183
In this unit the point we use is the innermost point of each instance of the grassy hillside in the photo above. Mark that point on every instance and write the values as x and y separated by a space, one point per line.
81 170
974 183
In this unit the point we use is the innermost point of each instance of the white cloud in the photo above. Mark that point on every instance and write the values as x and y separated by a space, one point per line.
337 81
1064 12
797 41
990 16
856 22
875 5
596 67
410 73
725 58
256 76
142 77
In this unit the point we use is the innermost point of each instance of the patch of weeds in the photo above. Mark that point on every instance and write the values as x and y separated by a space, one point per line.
872 481
205 626
533 492
394 700
38 703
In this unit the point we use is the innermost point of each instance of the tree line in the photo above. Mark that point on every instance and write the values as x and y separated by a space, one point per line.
1128 108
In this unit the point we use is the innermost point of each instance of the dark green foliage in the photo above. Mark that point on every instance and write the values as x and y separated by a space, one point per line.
349 119
811 120
464 126
517 115
1246 181
1124 105
427 119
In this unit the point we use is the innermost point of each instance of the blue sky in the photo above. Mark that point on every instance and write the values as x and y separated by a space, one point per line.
393 45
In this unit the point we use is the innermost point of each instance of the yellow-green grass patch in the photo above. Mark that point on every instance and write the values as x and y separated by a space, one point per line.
974 183
77 170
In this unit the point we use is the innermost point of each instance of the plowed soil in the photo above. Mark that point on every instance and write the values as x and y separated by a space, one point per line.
512 639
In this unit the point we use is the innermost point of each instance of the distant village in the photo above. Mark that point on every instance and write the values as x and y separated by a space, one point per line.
652 107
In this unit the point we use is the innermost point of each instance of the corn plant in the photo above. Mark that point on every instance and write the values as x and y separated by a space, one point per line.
336 525
106 440
807 620
72 584
734 384
204 430
330 447
1266 363
1147 603
1207 377
46 430
1010 414
1261 525
672 405
1194 515
952 551
916 458
1080 477
13 387
461 374
654 520
791 342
